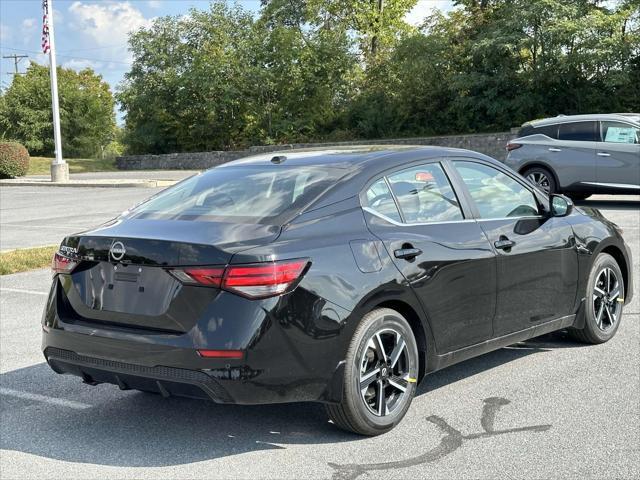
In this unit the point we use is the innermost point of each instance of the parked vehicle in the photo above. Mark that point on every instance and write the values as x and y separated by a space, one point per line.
341 277
580 154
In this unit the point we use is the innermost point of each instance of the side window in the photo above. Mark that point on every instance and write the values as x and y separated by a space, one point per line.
378 197
496 194
550 131
578 131
617 132
425 194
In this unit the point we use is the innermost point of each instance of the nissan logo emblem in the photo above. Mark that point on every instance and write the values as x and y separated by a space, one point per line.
117 251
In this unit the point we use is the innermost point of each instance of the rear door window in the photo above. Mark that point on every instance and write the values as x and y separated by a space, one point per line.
266 194
425 195
578 131
618 132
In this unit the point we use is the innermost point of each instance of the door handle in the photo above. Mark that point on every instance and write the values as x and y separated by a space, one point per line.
504 244
552 149
604 154
407 253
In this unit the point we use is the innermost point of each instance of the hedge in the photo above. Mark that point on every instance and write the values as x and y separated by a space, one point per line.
14 159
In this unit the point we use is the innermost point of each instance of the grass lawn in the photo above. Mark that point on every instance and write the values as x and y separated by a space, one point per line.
21 260
40 165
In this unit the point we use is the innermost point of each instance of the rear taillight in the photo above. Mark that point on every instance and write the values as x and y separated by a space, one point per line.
62 264
258 280
513 146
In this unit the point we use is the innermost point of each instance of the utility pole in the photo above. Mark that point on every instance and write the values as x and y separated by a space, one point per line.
16 61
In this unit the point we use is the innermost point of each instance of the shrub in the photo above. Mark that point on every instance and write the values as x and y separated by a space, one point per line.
14 160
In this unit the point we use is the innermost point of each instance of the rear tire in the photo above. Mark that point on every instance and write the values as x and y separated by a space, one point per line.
541 177
384 342
603 304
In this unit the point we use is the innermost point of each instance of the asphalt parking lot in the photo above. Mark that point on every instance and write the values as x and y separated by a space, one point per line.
546 408
34 216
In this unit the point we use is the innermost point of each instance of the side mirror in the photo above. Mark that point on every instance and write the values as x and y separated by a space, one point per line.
561 206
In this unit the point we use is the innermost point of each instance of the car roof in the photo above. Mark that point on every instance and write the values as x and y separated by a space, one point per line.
360 164
373 157
633 117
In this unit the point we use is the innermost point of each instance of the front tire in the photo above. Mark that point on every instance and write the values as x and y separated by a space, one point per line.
604 302
380 375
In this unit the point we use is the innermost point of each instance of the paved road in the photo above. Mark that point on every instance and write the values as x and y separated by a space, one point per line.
126 175
547 408
33 216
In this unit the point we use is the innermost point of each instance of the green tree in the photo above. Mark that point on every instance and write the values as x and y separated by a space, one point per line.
220 79
87 117
191 84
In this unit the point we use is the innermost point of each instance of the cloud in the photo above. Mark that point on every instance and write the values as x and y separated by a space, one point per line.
5 32
154 3
28 29
28 23
81 64
106 25
424 8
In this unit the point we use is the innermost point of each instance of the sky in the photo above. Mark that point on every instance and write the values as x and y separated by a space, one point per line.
94 33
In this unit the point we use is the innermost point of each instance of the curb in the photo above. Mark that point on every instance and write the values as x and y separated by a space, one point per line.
90 183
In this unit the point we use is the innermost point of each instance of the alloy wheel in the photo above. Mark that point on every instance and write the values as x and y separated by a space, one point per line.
606 299
384 372
540 179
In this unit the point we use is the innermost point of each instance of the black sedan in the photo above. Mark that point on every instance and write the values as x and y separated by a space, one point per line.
336 276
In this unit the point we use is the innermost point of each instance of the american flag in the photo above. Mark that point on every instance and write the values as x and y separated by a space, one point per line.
45 26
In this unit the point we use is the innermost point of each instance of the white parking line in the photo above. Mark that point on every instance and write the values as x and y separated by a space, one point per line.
20 290
42 398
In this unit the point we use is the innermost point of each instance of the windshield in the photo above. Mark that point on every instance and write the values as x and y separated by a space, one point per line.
267 194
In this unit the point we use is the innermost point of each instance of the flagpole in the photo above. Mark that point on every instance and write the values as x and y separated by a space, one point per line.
59 168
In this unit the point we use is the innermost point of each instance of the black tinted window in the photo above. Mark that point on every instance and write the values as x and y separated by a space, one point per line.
524 131
244 194
578 131
550 131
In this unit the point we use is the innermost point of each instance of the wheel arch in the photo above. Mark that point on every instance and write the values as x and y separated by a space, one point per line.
417 327
620 259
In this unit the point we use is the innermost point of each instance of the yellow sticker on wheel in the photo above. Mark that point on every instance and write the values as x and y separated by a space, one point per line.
411 380
621 300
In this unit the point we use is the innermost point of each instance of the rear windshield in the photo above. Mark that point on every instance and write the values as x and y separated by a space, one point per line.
267 194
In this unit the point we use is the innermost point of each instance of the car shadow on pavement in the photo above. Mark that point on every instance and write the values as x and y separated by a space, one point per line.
473 366
58 417
610 204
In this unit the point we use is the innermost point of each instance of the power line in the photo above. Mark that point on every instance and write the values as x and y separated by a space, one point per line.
16 61
70 56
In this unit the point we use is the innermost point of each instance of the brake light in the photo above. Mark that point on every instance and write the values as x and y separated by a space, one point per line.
263 280
513 146
258 280
62 264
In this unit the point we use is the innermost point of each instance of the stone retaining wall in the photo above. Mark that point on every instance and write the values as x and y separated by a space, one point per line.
492 144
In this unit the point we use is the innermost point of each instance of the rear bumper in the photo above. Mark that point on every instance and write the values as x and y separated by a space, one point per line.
292 353
166 381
